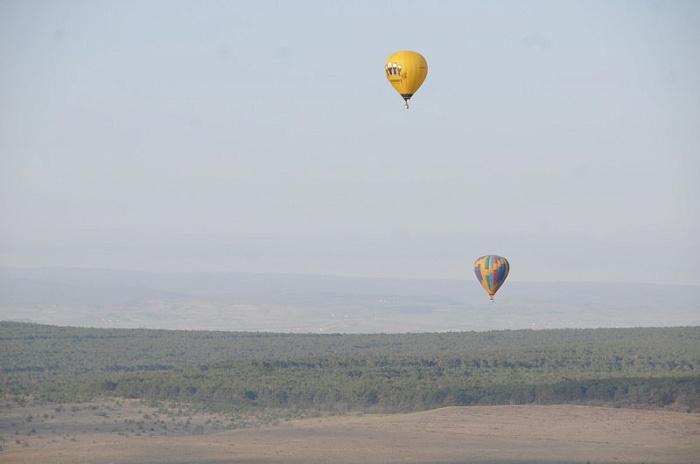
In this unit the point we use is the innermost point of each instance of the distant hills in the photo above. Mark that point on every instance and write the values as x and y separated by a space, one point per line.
235 301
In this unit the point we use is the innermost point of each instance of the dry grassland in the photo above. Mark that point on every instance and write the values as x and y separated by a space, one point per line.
109 434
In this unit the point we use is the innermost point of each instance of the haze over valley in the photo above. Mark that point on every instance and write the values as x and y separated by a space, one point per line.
235 301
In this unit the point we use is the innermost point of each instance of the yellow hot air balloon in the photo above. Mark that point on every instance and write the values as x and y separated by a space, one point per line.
491 270
406 72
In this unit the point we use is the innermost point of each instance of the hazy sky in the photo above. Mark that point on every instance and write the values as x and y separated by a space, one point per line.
263 136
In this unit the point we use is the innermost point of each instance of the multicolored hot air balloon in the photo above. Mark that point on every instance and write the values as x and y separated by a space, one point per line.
406 72
491 270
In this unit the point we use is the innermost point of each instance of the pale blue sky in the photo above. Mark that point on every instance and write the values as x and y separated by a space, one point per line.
264 137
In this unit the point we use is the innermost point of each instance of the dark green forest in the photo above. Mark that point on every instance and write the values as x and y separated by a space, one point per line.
338 373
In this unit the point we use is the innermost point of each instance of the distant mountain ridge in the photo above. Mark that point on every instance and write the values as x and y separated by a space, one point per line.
310 303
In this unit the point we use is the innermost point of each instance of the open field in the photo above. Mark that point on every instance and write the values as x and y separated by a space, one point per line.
128 431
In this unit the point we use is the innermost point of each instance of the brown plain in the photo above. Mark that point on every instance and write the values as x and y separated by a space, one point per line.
449 435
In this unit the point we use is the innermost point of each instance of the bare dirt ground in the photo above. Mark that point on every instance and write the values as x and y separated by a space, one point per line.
130 432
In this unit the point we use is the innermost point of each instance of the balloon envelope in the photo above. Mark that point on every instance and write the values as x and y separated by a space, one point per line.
491 271
406 72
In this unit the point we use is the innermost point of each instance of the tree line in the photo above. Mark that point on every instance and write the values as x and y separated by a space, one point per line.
337 373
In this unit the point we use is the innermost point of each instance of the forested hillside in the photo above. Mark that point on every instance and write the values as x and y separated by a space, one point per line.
226 371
